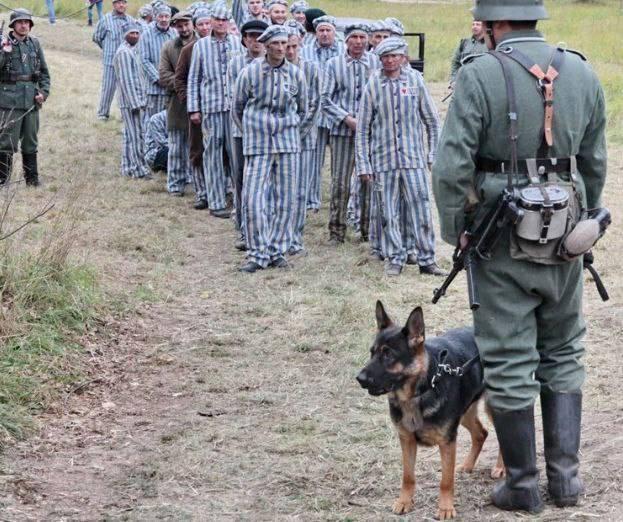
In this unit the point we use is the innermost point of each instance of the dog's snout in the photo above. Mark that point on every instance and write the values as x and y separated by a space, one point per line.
362 378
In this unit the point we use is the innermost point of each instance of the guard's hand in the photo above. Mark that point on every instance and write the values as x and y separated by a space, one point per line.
195 118
351 123
463 241
39 98
366 178
7 47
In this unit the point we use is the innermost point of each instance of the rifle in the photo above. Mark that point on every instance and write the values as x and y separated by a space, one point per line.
480 243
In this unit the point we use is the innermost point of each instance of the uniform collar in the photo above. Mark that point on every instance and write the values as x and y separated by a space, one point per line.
15 40
478 40
521 36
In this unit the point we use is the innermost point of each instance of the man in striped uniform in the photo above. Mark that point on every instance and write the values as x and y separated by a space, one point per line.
209 103
310 15
308 143
177 117
297 10
379 31
152 40
321 51
344 80
253 10
108 36
270 108
132 101
157 142
277 11
390 151
145 16
250 32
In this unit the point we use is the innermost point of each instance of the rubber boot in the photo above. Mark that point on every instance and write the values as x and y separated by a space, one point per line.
520 490
6 164
562 416
31 173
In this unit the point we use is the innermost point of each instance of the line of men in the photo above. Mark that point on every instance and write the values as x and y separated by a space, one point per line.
251 110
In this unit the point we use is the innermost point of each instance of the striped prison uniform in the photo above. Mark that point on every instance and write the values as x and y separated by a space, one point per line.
241 14
108 36
237 157
308 153
389 145
344 80
156 138
150 46
314 52
132 102
270 108
209 94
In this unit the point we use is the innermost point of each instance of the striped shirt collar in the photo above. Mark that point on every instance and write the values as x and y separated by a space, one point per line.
365 59
404 76
266 67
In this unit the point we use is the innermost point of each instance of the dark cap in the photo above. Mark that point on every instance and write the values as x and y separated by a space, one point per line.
310 16
254 26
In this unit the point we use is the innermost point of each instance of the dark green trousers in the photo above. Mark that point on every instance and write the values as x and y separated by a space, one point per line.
19 126
528 328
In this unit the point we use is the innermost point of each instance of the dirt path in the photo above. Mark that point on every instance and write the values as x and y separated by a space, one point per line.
225 397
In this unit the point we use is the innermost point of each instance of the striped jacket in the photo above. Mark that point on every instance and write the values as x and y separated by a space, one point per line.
233 71
344 80
156 136
129 77
207 78
312 76
108 34
389 124
150 46
270 107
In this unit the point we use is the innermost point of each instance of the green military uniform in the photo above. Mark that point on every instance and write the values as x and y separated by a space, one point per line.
467 47
23 74
529 325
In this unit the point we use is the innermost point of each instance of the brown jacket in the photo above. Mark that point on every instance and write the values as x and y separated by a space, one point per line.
177 117
195 137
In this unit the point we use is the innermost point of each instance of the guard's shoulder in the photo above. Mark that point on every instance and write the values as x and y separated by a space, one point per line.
578 53
471 57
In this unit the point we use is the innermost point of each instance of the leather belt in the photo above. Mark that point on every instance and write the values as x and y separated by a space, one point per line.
557 165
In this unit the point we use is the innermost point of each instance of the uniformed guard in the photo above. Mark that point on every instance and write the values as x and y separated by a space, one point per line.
209 103
297 10
345 77
157 142
270 107
250 32
246 10
109 36
321 51
132 101
277 11
24 87
468 46
150 47
528 118
177 118
311 72
395 106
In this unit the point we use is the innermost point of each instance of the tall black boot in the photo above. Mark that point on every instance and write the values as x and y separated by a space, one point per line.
31 173
6 164
562 417
520 489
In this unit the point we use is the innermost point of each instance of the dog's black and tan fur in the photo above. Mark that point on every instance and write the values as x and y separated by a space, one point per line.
402 364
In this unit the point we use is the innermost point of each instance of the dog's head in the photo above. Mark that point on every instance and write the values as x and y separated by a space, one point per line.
397 354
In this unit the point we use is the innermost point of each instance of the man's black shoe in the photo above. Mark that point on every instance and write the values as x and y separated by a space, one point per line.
221 213
280 262
202 204
250 267
433 269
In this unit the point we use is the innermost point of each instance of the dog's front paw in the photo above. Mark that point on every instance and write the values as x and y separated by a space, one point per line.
498 472
466 467
402 505
446 512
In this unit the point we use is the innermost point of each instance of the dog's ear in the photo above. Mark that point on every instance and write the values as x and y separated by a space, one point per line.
415 329
382 319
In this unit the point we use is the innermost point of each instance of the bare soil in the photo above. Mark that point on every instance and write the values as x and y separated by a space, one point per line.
213 395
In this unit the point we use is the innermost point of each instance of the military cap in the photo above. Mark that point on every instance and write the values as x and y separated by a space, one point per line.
511 10
130 27
20 14
392 45
253 26
394 26
274 32
299 6
181 16
358 28
325 20
201 14
221 12
296 28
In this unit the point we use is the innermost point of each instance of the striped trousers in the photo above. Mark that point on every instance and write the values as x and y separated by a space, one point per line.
301 194
409 188
156 103
315 183
407 229
358 210
178 168
342 167
216 144
237 177
267 195
133 158
107 92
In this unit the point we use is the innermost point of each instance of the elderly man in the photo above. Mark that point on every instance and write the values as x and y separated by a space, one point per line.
254 11
277 11
394 107
308 143
177 118
468 46
344 80
321 51
250 32
132 102
150 47
157 143
109 36
209 103
297 10
270 108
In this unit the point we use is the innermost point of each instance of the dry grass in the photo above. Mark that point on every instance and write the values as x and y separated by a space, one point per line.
232 397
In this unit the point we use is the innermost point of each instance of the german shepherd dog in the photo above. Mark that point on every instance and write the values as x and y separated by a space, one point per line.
426 403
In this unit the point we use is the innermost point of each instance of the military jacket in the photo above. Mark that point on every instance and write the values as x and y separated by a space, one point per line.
129 77
467 47
108 34
477 126
150 47
26 59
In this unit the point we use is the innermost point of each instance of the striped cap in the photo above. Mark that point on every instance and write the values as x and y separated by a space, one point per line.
130 27
221 12
358 28
160 9
296 28
274 32
201 14
395 26
392 45
299 6
325 20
